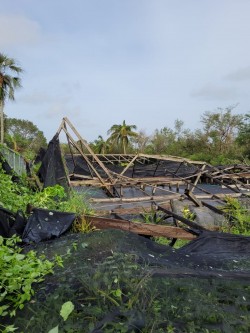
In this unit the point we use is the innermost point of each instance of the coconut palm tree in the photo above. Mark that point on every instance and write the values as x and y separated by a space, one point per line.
101 146
120 134
8 84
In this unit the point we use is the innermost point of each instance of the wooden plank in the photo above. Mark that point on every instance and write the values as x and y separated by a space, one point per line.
137 199
140 228
171 158
197 178
164 198
190 223
125 169
192 197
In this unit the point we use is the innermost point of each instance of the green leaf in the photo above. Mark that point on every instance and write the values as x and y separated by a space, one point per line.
66 310
118 292
54 330
10 328
20 256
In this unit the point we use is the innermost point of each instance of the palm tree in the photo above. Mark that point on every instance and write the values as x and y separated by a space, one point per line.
101 146
8 84
120 134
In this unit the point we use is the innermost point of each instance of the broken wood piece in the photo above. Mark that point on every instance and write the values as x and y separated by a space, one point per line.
140 228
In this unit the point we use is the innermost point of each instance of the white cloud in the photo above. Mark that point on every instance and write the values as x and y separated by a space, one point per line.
213 92
16 29
37 98
242 74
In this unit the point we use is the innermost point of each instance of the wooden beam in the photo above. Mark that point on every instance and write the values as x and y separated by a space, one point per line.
197 178
140 228
137 199
88 148
190 223
125 169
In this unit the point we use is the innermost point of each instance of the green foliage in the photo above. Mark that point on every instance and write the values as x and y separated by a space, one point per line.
8 85
238 217
16 196
120 135
13 196
24 137
18 272
66 310
100 146
76 202
152 216
82 224
243 138
223 139
188 214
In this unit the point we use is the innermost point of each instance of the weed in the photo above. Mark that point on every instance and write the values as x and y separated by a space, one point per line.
18 273
237 217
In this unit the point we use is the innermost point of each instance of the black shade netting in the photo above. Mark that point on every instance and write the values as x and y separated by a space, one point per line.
78 165
52 169
122 282
45 224
8 169
11 223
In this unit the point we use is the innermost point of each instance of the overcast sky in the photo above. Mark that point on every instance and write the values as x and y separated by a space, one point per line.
148 62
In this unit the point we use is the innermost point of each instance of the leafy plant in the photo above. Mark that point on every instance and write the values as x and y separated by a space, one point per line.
152 216
17 196
188 214
18 272
82 224
237 216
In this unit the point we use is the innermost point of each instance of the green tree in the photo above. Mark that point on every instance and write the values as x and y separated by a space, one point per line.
169 141
140 142
161 141
24 137
221 129
100 146
243 138
8 85
120 135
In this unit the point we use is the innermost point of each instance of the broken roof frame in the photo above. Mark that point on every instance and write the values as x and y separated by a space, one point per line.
111 180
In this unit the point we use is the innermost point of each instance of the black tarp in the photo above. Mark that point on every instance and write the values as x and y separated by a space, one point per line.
45 224
11 223
52 169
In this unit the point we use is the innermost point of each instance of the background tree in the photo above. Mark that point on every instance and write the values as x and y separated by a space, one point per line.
100 146
120 135
243 138
8 84
221 129
24 137
169 141
140 142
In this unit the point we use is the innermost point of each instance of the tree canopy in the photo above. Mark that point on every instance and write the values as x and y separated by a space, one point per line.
8 84
224 137
24 137
120 135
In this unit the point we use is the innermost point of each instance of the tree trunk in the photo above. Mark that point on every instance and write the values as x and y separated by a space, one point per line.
1 123
124 146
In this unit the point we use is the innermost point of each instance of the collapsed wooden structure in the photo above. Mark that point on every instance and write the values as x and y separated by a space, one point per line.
143 180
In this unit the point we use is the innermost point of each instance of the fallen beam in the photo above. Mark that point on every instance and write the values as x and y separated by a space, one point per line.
140 228
166 197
